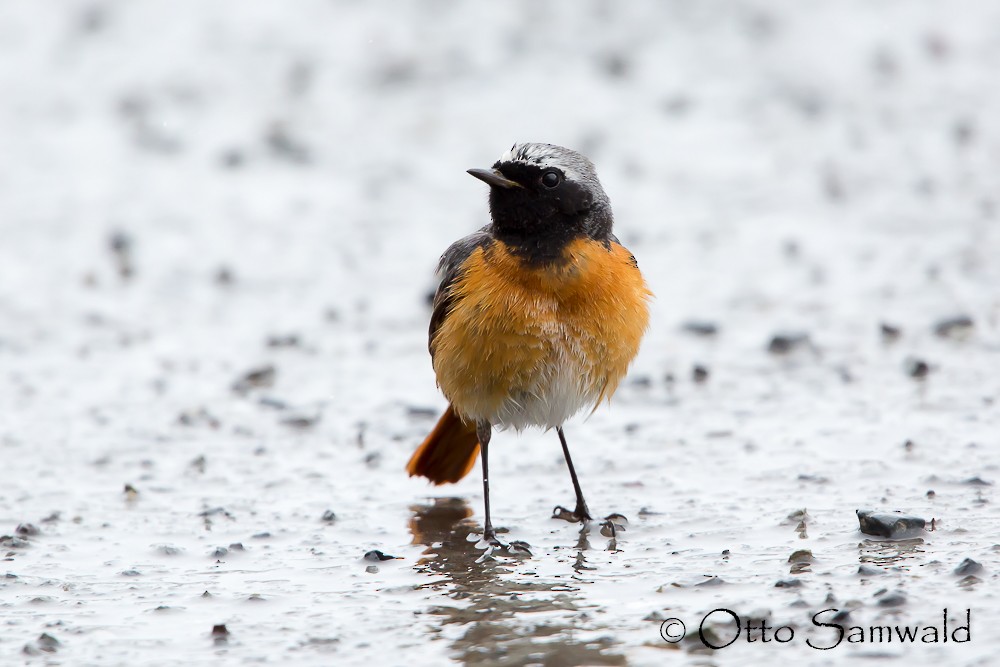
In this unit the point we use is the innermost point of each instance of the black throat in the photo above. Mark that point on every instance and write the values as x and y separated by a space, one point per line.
538 231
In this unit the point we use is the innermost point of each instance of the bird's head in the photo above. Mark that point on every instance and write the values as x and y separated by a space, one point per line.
544 196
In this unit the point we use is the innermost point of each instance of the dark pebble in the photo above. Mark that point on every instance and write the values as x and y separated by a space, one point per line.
977 481
286 340
329 516
788 583
27 530
916 368
893 599
219 552
783 343
885 524
801 556
968 566
45 643
954 327
220 633
700 328
169 550
273 403
254 379
890 333
711 581
699 373
842 616
866 570
224 276
301 422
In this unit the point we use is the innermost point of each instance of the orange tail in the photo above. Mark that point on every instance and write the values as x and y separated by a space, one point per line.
448 453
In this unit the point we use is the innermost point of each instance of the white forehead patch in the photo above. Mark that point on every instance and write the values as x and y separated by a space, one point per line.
575 166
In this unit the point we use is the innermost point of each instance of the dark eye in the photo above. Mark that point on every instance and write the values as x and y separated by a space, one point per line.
551 179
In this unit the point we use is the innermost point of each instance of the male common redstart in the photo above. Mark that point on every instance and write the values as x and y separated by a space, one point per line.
537 316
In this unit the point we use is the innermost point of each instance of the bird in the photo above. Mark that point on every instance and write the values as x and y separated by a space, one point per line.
537 316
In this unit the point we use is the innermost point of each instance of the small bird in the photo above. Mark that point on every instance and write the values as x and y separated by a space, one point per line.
538 315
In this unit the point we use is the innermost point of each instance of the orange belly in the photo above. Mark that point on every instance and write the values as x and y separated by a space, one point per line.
532 346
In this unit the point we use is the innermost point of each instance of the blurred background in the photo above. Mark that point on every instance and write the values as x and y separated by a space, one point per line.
219 224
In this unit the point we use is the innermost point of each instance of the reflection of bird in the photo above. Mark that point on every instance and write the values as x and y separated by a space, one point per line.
538 314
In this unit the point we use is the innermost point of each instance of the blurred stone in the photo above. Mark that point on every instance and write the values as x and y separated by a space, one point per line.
885 524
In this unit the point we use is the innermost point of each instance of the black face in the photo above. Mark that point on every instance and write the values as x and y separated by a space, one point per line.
546 188
545 213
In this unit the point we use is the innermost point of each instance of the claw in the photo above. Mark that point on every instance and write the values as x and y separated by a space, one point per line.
492 545
579 515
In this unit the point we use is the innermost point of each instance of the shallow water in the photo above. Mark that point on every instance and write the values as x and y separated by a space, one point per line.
186 199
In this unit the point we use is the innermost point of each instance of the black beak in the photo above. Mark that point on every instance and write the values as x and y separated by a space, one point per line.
494 178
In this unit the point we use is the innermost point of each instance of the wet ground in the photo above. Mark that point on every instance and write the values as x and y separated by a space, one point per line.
219 227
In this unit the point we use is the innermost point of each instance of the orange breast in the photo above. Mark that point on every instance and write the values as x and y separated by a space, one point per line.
533 345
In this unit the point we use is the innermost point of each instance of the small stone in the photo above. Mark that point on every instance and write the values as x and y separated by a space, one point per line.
329 517
711 581
917 369
885 524
255 378
27 530
890 333
700 328
957 327
220 633
968 566
169 550
301 422
801 556
699 373
893 599
866 570
372 569
788 583
285 340
45 643
784 343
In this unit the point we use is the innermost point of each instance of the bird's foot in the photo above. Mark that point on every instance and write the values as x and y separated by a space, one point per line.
580 515
493 546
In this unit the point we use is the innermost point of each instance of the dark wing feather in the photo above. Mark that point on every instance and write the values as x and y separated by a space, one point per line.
450 268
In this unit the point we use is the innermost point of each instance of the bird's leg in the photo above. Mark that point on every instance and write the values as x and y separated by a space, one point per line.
483 432
581 513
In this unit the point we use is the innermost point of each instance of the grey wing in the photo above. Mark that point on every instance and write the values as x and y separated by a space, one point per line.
450 268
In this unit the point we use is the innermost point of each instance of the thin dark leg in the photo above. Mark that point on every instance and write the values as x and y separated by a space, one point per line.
483 432
581 511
